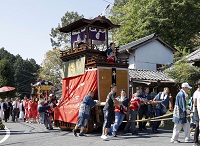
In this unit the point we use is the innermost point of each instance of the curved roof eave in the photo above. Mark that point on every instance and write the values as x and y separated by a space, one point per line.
98 22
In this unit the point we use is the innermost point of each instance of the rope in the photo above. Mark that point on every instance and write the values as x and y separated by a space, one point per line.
154 119
166 119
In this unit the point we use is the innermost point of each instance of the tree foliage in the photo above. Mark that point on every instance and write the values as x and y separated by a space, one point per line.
6 73
51 68
182 71
14 71
176 21
25 74
52 64
59 39
6 76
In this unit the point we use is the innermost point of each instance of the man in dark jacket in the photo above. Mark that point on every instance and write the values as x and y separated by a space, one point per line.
6 109
180 115
44 115
143 110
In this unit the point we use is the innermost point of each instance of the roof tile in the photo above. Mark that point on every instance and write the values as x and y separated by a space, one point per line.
148 75
194 56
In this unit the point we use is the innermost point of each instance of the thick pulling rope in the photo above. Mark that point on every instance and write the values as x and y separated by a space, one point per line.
166 119
159 118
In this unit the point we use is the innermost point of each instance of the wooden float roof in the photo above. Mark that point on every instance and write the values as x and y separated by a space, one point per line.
97 22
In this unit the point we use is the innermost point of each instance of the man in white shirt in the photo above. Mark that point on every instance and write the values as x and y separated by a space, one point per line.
16 106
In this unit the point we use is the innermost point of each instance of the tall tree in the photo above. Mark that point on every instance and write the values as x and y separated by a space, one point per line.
4 54
6 73
176 21
51 68
59 39
23 72
26 72
6 77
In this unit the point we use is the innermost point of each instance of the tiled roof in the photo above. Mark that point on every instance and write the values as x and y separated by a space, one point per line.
194 56
149 75
144 40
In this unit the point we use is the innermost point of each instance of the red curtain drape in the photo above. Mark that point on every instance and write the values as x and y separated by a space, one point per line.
74 89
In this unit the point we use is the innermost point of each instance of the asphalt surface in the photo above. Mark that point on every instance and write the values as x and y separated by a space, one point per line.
25 134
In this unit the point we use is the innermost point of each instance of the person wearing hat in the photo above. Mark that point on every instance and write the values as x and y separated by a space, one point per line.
161 101
50 97
180 115
196 99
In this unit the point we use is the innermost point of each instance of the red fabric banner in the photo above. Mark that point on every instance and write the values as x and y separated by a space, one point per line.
74 89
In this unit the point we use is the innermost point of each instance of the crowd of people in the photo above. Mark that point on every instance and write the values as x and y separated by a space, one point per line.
142 104
37 109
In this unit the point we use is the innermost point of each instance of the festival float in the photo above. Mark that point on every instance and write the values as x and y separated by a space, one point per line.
88 69
42 87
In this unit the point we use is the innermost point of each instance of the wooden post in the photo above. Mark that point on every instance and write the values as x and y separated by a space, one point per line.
71 42
87 35
106 38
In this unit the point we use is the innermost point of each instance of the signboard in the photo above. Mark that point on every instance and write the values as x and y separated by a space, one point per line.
74 68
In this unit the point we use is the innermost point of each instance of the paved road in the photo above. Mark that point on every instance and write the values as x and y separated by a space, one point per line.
36 135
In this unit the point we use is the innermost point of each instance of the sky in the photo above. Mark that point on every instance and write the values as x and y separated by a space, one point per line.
25 25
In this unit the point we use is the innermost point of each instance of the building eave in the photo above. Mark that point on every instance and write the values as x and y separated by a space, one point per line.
143 41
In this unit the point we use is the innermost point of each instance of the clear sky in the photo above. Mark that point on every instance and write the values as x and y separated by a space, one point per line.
25 25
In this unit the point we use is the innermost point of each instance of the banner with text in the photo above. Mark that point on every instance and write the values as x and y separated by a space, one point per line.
74 89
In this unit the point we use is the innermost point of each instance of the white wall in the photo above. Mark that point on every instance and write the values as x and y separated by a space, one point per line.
132 64
147 56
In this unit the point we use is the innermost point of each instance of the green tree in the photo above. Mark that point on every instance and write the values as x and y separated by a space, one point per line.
176 21
182 71
4 54
23 72
26 72
6 76
59 39
52 64
51 68
6 73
